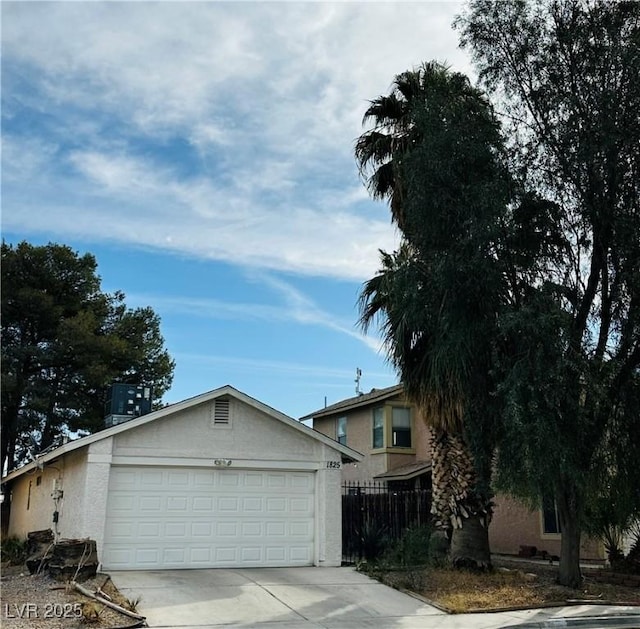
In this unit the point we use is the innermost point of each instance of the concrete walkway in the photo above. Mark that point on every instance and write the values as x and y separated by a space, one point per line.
333 598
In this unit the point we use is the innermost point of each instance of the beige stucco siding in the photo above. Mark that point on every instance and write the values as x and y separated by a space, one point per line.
516 525
360 438
251 435
32 506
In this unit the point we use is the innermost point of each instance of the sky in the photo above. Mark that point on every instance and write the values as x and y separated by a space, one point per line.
203 152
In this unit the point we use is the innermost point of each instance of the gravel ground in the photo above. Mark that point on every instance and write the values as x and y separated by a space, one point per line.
29 602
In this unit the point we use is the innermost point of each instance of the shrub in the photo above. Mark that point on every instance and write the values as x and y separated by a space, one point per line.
14 550
412 549
373 540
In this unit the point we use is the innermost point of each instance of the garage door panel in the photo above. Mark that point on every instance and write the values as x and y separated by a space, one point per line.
254 479
178 478
230 479
301 529
150 478
300 505
122 502
146 557
300 553
251 529
253 503
182 518
151 504
226 529
226 555
176 503
146 530
302 482
202 503
202 529
228 504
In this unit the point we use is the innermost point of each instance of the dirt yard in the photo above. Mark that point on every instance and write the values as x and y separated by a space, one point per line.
512 585
39 602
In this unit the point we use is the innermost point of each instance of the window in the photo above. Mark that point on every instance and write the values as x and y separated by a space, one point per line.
550 520
378 427
341 431
400 427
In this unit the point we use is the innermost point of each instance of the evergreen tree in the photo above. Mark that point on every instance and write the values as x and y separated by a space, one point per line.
64 342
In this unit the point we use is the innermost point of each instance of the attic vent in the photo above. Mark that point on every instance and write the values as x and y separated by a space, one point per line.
221 412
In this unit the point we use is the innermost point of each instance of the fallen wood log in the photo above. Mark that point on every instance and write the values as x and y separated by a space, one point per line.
104 601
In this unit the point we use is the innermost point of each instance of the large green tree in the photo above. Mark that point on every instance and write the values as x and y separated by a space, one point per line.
565 76
435 153
64 341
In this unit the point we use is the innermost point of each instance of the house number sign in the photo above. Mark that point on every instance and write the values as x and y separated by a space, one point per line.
333 465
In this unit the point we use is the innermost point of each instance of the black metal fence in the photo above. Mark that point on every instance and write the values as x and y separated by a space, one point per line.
373 515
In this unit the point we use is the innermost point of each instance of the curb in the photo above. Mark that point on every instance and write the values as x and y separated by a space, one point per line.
618 620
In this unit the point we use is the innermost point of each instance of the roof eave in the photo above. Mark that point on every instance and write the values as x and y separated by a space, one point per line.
356 404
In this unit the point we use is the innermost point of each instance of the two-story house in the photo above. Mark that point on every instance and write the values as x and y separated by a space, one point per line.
394 439
388 430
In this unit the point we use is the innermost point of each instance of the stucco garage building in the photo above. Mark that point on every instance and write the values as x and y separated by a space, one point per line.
219 480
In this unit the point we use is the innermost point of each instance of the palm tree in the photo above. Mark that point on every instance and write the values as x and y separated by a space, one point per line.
435 369
435 316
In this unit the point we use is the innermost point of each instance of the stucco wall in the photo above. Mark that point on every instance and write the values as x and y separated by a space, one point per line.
96 490
251 435
515 525
360 438
329 510
32 506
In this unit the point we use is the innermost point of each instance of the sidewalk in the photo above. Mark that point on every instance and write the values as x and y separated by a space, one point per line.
583 616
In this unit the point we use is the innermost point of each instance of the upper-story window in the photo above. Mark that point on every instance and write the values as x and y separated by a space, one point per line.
400 427
391 427
341 431
378 427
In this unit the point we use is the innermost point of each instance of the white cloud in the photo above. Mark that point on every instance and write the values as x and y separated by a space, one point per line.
269 96
131 201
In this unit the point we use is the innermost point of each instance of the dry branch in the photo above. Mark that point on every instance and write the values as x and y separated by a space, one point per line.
104 601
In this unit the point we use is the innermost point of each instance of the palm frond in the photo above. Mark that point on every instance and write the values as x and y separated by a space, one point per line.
385 111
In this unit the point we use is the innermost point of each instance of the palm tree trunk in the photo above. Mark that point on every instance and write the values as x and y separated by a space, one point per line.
456 505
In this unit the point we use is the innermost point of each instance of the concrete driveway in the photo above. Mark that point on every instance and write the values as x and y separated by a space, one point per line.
271 597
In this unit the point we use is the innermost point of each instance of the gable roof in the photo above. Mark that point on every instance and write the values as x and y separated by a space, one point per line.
348 454
375 395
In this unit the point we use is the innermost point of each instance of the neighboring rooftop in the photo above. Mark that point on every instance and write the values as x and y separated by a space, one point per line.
405 472
364 399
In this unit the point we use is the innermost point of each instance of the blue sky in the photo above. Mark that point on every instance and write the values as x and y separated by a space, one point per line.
203 152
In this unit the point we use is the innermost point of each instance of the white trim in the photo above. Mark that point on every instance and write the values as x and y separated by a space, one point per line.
244 464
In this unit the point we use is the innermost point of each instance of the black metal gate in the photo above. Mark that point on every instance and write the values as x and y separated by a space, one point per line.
373 516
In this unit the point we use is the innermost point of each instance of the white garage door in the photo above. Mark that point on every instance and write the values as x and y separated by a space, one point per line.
163 517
